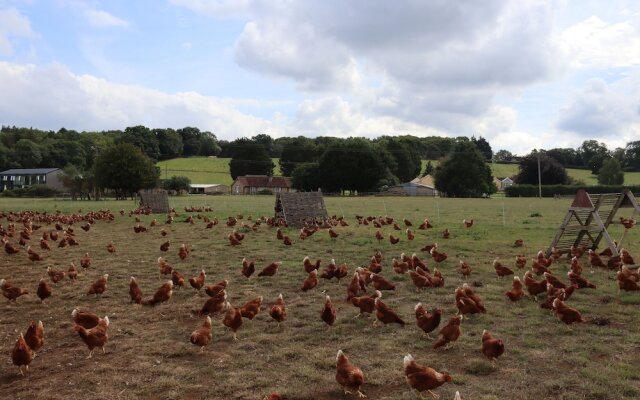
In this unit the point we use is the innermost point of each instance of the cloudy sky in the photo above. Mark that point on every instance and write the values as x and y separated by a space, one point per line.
523 74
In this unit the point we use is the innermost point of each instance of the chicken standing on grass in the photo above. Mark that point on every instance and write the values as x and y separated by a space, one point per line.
348 376
423 378
232 319
202 336
278 311
22 355
492 348
164 293
449 333
35 336
94 337
328 313
99 286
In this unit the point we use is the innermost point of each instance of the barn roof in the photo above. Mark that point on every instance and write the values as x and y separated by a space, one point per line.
28 171
264 181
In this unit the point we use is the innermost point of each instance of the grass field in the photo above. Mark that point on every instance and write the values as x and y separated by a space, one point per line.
216 170
149 355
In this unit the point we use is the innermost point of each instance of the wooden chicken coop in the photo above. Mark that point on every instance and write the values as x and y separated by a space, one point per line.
588 218
296 208
156 199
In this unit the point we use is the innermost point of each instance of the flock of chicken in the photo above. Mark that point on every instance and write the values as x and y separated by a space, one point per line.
93 330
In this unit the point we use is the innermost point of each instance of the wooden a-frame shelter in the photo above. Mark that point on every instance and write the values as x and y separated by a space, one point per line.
587 220
296 208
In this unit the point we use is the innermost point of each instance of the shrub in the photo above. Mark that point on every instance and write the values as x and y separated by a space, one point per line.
31 191
563 190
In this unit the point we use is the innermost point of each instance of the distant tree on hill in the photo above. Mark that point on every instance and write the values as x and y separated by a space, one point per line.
484 147
632 156
464 173
250 158
177 183
169 143
125 169
27 153
295 152
429 169
143 138
306 177
611 173
406 158
503 156
551 171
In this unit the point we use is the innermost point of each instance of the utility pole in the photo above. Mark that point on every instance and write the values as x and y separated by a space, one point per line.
539 177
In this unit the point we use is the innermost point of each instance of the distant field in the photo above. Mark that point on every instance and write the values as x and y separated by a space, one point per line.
216 170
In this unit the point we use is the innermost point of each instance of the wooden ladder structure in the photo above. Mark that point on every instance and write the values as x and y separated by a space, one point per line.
587 219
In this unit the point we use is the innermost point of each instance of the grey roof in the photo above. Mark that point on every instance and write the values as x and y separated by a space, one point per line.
29 171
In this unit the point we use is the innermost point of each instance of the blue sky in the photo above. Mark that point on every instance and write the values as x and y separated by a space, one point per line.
523 74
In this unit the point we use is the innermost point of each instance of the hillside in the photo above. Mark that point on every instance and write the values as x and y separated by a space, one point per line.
216 170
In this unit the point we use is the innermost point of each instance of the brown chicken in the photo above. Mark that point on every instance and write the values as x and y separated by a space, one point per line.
10 249
248 268
626 281
575 266
111 248
232 319
516 291
72 272
419 280
202 336
216 288
501 270
537 267
197 282
464 268
163 232
183 252
309 266
380 283
94 337
385 314
278 311
341 272
22 355
328 313
177 278
35 336
44 290
437 280
99 286
400 267
436 255
333 234
233 241
251 308
518 243
271 269
467 223
366 304
521 261
466 304
534 287
134 291
349 376
554 281
85 262
579 282
542 260
311 281
165 246
423 378
492 348
33 256
56 276
163 294
214 304
287 240
393 239
44 245
595 260
379 236
86 319
425 320
449 333
164 267
626 257
565 313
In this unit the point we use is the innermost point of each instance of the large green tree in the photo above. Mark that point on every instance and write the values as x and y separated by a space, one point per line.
593 154
125 169
353 164
295 152
464 173
27 153
632 156
484 147
306 177
169 143
407 162
250 158
610 173
551 171
143 138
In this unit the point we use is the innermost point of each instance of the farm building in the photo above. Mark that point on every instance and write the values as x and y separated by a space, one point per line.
252 184
412 189
208 188
426 180
502 183
20 178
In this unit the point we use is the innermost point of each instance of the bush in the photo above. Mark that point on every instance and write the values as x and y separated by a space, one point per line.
31 191
563 190
265 192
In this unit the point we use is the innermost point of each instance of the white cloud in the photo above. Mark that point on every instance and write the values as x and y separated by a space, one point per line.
52 97
604 111
13 26
102 19
595 43
216 7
